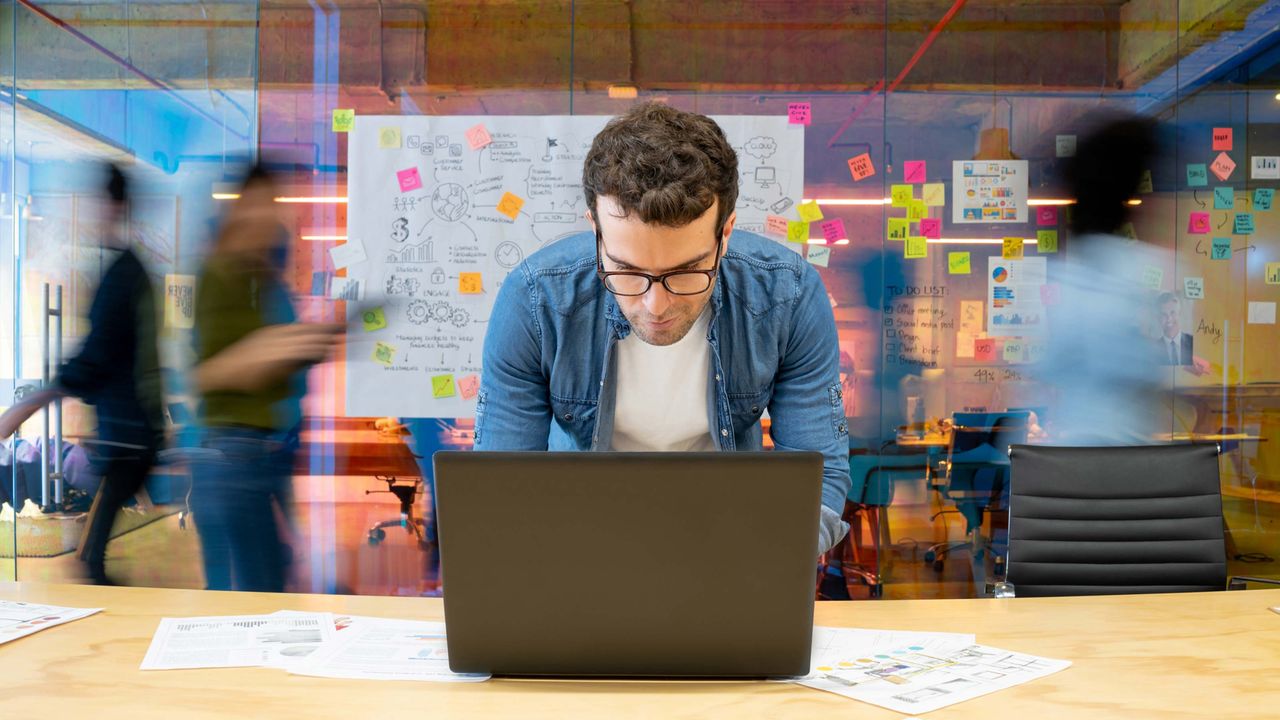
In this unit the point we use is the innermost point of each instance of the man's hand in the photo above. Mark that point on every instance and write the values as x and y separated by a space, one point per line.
831 529
267 355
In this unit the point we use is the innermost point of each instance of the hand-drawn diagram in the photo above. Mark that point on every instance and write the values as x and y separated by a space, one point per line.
426 246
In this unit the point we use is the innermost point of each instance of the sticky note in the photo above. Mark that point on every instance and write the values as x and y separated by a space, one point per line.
1193 288
797 232
860 167
984 349
1050 294
441 386
931 228
1011 248
776 225
389 138
344 119
913 171
1047 215
1012 351
934 194
809 211
1221 249
1065 145
798 113
347 254
469 283
469 386
1197 175
1198 223
1145 185
1223 166
409 179
899 228
477 136
1272 273
917 211
901 195
1152 277
384 354
1222 138
1262 313
833 230
916 247
1262 198
819 255
958 263
510 205
1265 167
1243 224
1046 241
1224 198
374 319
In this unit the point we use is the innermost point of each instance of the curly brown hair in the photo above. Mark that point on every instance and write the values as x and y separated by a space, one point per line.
666 165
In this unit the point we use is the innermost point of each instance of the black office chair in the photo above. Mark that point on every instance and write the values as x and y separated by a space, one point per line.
1116 520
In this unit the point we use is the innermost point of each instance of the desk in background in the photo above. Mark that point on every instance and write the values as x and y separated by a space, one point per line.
1201 655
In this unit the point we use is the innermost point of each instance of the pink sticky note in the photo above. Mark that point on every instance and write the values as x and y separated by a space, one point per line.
1050 294
798 113
409 179
860 167
913 171
1047 215
1199 223
468 386
984 349
1222 138
931 228
478 137
1223 166
833 230
776 225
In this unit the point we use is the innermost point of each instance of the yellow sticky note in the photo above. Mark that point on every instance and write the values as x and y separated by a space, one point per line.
442 386
901 195
343 120
899 228
810 212
1273 273
1046 241
934 194
917 247
797 232
374 319
1013 351
958 263
389 138
1012 248
469 283
917 211
510 205
384 354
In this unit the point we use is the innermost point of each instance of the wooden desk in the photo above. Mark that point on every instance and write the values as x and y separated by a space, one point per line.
1210 655
356 452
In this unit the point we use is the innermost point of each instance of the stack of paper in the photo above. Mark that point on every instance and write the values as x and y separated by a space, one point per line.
319 644
916 672
19 619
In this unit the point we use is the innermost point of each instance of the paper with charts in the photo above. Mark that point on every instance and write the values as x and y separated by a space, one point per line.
919 674
443 208
20 619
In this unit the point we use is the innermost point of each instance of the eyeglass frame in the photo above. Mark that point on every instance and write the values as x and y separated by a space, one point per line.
605 274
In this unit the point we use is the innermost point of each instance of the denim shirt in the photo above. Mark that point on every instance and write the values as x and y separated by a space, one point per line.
549 376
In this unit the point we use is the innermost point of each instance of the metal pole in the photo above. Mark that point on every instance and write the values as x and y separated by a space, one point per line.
57 405
44 377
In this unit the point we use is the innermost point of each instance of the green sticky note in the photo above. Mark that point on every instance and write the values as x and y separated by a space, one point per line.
1197 175
442 386
1046 241
901 195
958 263
809 212
797 232
1244 224
1012 351
1221 249
1224 198
1262 198
899 228
384 354
344 119
374 319
916 247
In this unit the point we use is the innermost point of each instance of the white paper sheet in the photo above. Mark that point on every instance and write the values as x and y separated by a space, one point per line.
20 619
378 649
237 641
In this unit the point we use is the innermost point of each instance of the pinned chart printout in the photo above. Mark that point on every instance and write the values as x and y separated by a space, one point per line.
20 619
989 191
1014 303
484 211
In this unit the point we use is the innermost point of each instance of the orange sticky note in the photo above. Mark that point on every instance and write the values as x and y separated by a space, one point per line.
984 349
860 167
469 283
478 137
1222 138
468 386
510 205
776 225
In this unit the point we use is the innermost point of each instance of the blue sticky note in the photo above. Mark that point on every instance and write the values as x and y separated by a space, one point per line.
1197 175
1224 198
1262 198
1221 249
1244 224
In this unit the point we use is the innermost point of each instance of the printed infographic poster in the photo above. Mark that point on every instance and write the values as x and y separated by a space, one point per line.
989 191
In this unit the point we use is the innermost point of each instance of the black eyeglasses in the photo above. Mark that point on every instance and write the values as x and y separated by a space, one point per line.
630 283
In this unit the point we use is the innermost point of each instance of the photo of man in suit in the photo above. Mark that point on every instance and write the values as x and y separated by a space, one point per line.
1175 347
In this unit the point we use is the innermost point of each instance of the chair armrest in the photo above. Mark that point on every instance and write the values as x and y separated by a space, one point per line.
1238 582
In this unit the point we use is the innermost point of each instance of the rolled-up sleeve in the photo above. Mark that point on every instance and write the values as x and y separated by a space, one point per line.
513 409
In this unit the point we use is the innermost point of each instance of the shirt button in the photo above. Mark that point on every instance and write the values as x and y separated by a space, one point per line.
724 432
717 378
568 417
755 408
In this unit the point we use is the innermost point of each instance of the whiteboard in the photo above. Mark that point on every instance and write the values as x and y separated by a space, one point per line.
423 246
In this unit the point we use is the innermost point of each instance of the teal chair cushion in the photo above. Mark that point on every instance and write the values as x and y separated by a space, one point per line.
872 477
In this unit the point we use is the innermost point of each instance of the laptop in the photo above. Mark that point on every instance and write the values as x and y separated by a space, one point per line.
695 565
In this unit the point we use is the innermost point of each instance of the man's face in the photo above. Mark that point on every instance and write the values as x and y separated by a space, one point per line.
1169 319
658 317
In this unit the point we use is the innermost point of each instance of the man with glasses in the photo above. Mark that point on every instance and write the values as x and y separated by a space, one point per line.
665 331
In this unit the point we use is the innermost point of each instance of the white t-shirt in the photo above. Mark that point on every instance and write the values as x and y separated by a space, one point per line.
661 402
